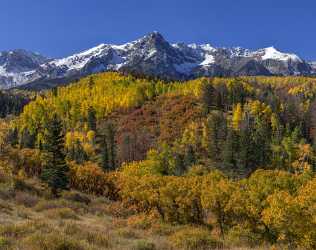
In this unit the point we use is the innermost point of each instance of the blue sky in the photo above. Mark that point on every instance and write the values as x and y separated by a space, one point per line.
60 27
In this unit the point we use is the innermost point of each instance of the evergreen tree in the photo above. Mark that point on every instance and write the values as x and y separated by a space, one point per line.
80 155
55 171
180 167
214 135
27 140
92 120
209 97
231 149
104 154
110 138
190 158
13 137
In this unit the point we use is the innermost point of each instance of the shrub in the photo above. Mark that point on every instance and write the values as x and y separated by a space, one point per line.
89 178
193 238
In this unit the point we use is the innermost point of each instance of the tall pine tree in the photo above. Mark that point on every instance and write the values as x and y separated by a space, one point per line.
55 172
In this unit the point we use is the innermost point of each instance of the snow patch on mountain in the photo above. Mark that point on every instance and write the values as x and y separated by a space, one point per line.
209 59
274 54
78 61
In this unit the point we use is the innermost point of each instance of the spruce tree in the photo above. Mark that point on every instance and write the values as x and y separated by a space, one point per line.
55 171
92 120
80 155
27 140
190 158
214 135
209 97
110 137
104 154
180 167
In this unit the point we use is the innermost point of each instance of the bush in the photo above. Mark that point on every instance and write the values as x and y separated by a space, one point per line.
90 179
193 238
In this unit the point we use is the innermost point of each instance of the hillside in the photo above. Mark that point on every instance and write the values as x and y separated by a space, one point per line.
205 164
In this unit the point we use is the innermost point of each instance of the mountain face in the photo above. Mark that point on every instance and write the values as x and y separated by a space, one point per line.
17 67
151 55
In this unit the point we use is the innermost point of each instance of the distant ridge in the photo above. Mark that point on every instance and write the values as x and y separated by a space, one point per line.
150 55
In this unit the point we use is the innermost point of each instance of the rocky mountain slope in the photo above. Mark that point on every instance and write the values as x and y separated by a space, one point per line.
151 55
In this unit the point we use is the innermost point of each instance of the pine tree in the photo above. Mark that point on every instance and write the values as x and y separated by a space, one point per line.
209 97
110 137
231 149
179 164
55 172
214 134
80 155
13 136
92 120
27 140
190 158
104 154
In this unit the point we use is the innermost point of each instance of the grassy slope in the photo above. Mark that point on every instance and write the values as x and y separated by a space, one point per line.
30 220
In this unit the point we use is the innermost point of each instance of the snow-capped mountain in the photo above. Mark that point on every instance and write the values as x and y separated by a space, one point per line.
17 66
151 55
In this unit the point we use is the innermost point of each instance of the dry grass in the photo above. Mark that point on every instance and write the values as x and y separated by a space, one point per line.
30 220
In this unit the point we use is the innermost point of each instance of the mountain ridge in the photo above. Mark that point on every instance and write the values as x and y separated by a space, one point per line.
150 55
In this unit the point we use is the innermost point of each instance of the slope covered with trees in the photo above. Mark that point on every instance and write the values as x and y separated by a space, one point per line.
236 155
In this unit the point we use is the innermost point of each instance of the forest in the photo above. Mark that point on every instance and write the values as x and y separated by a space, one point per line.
233 159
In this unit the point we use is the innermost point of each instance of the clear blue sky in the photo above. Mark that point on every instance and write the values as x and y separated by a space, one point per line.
60 27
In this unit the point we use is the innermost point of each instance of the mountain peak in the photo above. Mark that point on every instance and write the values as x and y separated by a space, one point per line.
154 36
150 55
274 54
